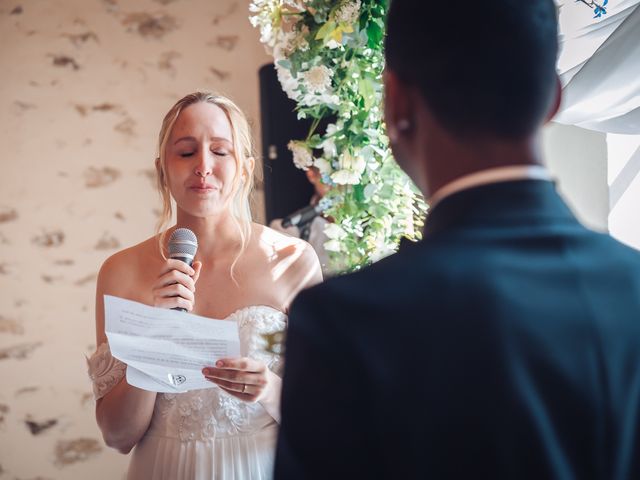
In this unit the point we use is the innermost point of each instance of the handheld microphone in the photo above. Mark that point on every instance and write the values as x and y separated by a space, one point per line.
302 216
183 246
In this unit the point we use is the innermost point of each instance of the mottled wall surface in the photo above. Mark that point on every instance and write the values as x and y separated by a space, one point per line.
83 88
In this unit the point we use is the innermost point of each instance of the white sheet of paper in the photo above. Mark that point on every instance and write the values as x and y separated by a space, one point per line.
165 350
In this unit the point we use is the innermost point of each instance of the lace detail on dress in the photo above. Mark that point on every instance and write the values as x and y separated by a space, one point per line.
204 414
253 324
104 370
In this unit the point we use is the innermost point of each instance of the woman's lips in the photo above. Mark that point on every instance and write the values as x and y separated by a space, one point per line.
202 188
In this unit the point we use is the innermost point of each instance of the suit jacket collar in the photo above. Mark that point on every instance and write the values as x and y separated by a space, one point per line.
513 203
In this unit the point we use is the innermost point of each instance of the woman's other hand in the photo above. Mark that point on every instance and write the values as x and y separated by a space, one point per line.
244 378
176 285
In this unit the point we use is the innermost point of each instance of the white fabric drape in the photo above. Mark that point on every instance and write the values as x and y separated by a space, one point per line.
599 67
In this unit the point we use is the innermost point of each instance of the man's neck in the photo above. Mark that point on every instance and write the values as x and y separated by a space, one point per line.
488 176
457 159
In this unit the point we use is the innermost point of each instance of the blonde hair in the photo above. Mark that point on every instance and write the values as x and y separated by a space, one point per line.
243 154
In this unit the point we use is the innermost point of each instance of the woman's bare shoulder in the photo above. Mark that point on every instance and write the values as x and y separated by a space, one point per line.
127 264
303 266
273 239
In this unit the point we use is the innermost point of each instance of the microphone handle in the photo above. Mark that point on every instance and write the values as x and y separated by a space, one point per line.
188 261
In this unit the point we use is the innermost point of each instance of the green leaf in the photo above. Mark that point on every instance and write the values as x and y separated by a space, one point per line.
326 30
375 34
367 91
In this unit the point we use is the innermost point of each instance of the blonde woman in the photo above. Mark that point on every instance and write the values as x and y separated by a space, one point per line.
243 272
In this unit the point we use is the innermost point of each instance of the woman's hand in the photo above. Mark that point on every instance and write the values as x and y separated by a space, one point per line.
244 378
176 285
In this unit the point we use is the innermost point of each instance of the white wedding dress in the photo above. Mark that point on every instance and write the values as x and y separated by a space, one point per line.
204 434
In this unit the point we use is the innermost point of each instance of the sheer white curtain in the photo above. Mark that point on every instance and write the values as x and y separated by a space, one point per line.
599 67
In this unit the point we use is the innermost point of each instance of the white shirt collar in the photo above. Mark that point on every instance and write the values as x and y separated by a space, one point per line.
491 175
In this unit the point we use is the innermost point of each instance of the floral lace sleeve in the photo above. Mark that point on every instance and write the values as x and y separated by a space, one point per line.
104 370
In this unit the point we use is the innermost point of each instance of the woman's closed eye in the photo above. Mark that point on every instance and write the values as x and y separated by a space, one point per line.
186 154
220 153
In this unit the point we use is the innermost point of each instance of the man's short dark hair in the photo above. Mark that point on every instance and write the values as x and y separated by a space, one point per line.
484 67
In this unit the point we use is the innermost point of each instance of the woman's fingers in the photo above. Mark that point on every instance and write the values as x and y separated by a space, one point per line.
229 378
197 266
246 392
175 290
243 363
173 302
175 276
173 264
176 285
244 378
247 397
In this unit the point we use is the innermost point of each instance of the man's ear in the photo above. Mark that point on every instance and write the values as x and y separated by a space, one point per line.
398 112
557 102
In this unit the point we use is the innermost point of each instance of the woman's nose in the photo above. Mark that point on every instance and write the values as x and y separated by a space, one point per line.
204 167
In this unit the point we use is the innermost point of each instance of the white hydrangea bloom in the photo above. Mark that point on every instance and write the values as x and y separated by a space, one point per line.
302 157
334 231
348 12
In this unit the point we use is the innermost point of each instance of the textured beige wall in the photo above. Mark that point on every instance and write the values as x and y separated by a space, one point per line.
83 88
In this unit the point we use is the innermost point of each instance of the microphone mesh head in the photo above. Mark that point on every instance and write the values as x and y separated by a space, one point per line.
183 243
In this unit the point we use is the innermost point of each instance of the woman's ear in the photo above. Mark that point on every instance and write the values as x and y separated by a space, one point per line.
251 164
159 170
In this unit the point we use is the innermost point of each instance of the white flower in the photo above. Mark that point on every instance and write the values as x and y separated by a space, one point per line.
345 177
323 165
329 144
370 190
288 43
382 248
289 84
301 154
383 252
329 147
355 163
348 12
351 169
311 99
334 231
318 79
265 11
333 246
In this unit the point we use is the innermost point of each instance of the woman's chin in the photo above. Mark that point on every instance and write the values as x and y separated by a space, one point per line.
201 211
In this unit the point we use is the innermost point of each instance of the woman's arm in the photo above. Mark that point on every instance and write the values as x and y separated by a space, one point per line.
124 413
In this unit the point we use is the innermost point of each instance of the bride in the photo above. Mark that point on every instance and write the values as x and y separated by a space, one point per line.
243 272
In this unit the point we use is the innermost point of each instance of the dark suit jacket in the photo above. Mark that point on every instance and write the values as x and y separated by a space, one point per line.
505 345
